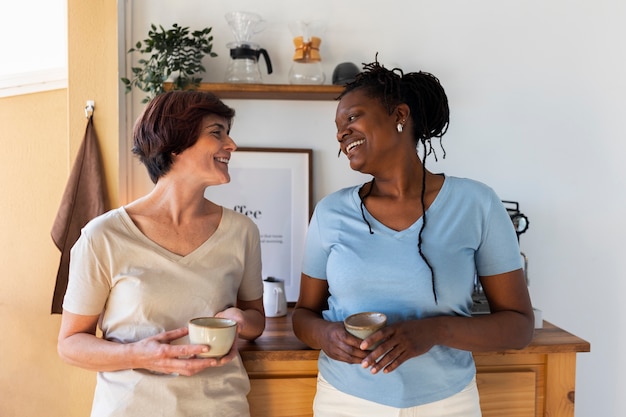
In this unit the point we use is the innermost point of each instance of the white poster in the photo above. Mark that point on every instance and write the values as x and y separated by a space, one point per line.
272 187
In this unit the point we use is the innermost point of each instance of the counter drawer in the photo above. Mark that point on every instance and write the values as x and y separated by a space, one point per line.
282 397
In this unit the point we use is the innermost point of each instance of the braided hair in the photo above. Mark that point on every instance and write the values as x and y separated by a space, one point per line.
429 112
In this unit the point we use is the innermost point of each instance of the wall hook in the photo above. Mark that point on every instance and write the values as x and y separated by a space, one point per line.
89 108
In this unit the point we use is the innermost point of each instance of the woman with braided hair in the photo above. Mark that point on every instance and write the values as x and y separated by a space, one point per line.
408 244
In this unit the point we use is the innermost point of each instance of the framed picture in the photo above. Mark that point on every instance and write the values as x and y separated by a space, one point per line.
272 186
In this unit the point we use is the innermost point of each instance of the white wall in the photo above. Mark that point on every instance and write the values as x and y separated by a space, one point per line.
537 93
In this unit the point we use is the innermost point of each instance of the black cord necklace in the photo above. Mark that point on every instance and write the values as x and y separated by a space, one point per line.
362 203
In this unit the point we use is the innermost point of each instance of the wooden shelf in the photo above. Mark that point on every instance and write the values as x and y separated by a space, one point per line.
271 91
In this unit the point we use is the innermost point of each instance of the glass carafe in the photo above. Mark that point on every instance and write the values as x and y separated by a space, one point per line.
244 64
307 66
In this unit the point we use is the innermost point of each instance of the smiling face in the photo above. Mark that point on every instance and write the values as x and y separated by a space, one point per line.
366 132
207 160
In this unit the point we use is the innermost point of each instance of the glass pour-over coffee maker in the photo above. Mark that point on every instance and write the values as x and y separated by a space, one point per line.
307 67
244 63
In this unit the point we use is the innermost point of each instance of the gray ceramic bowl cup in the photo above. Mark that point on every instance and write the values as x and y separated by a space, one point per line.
217 333
362 325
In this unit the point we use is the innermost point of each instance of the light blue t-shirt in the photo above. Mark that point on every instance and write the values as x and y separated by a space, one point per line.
467 232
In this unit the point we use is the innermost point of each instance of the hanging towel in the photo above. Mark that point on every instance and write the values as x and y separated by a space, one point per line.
83 199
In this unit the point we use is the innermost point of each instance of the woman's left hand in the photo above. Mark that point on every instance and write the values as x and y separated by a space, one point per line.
249 316
233 313
509 326
400 342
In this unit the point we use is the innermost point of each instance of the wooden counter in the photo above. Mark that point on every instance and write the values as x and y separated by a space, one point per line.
533 382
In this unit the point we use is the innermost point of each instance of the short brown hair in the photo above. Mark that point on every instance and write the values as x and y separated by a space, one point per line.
171 123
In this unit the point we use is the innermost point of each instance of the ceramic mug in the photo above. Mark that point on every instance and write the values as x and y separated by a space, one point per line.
217 333
274 299
362 325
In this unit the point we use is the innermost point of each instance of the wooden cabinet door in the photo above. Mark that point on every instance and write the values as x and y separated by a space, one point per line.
282 397
510 394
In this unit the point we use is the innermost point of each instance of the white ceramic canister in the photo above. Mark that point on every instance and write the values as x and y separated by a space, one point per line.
274 299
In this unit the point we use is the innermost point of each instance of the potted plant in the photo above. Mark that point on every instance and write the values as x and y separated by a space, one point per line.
174 54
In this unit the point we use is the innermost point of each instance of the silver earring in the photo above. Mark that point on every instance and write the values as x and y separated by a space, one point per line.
399 127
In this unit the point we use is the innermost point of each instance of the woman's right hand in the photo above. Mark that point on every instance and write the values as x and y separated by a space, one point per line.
158 354
78 345
312 329
340 345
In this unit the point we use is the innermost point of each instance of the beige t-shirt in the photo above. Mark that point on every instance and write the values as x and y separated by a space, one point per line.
142 289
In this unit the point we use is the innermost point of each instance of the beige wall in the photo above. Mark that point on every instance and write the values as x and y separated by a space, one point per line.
93 75
33 381
39 137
